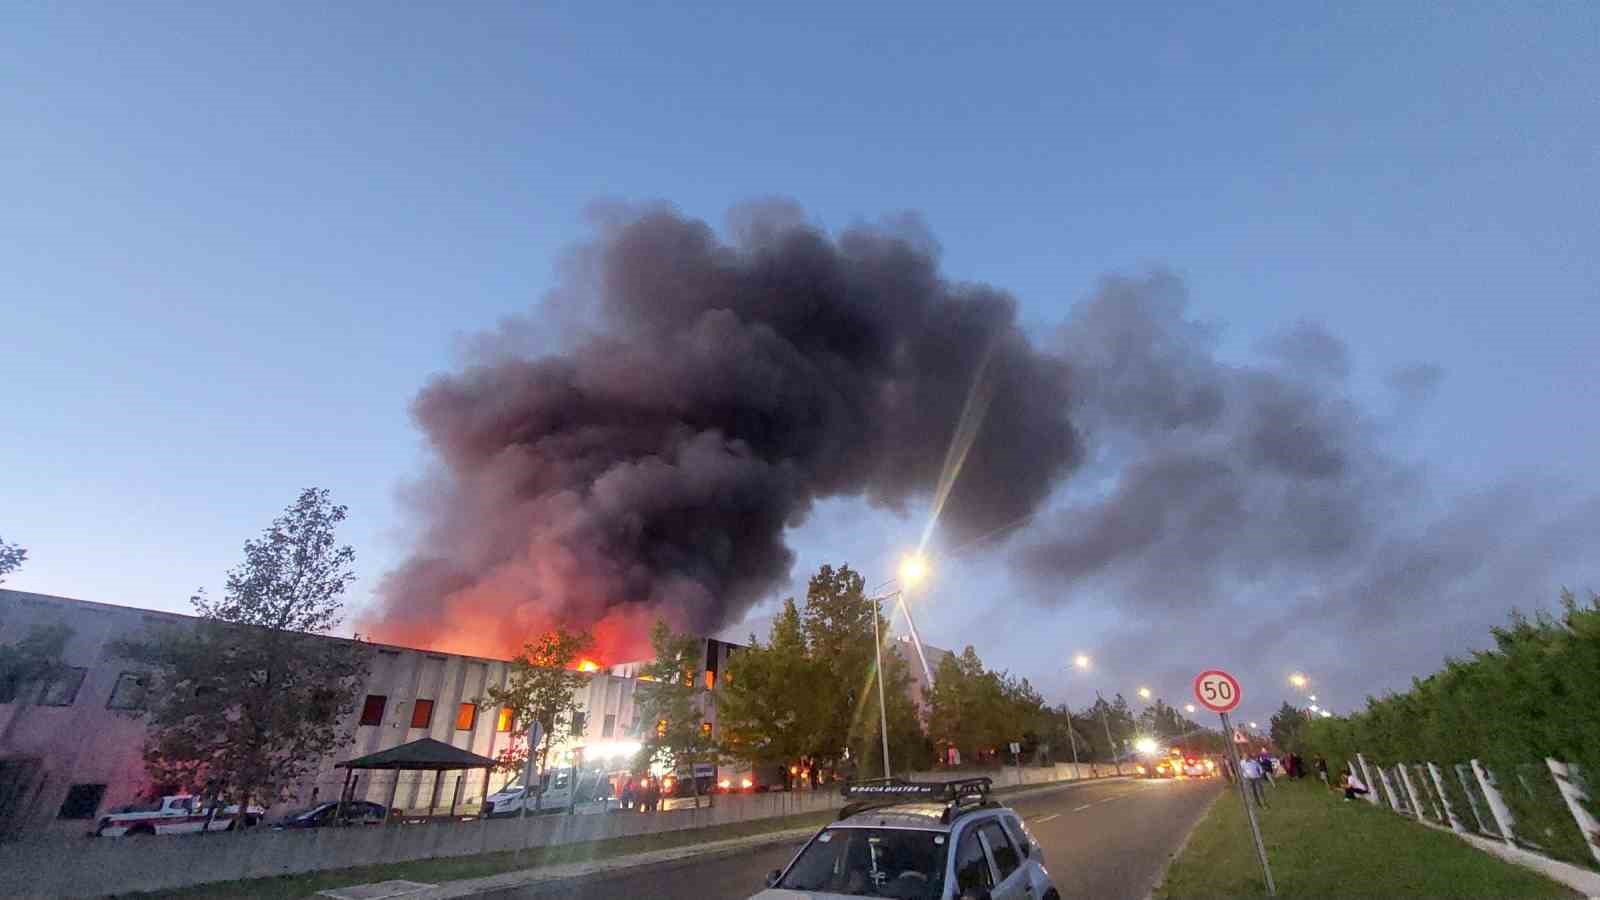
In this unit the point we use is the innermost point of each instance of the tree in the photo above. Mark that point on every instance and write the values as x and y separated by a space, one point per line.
768 701
1288 725
669 695
11 559
540 689
26 665
249 700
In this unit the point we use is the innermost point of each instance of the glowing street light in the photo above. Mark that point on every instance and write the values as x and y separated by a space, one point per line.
1147 746
1313 698
1253 726
1299 680
1081 661
1189 708
913 569
1144 693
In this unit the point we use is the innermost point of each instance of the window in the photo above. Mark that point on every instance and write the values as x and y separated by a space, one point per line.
129 692
506 719
711 680
579 719
661 728
83 801
1005 852
705 729
372 709
422 714
63 688
466 716
972 867
608 726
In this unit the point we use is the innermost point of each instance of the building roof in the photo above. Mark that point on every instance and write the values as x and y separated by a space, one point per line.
426 754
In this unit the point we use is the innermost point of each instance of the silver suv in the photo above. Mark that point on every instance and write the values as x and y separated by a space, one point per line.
918 841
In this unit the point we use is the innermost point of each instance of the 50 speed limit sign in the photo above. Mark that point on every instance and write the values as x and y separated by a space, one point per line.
1216 690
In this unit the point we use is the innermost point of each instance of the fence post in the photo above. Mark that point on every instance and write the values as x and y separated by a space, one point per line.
1433 799
1438 784
1372 786
1497 803
1388 789
1575 798
1411 791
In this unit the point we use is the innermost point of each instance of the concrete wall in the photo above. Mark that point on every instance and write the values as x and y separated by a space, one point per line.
93 867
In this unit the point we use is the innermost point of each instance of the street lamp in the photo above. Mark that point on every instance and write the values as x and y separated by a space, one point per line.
1082 662
913 568
1299 680
1144 693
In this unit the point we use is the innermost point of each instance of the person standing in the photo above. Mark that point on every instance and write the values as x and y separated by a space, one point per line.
1252 772
1322 769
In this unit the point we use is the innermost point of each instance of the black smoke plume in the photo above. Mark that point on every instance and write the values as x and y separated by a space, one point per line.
653 465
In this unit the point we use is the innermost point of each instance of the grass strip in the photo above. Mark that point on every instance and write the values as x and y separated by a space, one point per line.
1320 845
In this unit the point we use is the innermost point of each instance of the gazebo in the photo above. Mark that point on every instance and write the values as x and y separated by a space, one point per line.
425 755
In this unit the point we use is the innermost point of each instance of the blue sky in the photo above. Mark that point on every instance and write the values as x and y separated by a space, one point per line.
235 242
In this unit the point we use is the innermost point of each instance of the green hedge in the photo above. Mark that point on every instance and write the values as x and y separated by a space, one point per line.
1532 696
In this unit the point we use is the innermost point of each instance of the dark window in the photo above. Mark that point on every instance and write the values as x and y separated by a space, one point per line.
10 685
608 726
63 688
466 716
507 718
372 709
83 801
579 719
972 867
1019 833
422 714
1005 852
129 692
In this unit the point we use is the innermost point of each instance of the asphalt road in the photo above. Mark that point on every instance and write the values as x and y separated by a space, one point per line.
1104 840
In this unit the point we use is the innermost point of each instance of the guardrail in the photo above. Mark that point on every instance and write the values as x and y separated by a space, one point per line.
99 866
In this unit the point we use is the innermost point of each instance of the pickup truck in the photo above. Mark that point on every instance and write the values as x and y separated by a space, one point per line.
172 814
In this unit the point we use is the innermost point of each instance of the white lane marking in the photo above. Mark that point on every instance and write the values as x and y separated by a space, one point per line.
1046 818
1083 807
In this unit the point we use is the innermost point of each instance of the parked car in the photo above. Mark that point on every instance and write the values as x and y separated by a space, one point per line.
174 814
356 812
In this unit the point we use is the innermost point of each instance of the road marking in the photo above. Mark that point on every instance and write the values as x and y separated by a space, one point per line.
1046 818
1083 807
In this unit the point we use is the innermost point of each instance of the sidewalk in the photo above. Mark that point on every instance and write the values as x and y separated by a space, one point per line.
1321 845
472 887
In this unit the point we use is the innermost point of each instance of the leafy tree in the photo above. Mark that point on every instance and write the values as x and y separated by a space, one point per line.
249 700
11 559
1287 726
541 689
980 712
670 696
769 698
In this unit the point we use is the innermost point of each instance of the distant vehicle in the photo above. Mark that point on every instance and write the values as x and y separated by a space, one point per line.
356 812
1194 767
558 791
917 841
173 814
1157 768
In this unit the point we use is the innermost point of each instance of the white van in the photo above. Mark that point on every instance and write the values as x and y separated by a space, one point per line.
590 792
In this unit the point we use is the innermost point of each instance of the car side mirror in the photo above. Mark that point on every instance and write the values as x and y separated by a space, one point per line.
773 876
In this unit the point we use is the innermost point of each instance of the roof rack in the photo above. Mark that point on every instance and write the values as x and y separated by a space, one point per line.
875 793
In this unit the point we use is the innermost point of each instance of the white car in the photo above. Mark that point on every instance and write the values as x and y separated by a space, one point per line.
173 814
918 841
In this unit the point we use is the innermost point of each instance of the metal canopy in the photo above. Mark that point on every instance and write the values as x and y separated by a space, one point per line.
426 754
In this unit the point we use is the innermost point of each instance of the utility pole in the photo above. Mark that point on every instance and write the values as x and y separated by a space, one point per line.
1073 737
1105 722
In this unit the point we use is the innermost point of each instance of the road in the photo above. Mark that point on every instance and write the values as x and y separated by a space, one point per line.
1101 839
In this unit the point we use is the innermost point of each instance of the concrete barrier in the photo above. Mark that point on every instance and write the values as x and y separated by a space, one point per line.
99 866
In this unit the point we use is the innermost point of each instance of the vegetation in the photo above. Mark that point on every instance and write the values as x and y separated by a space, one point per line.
247 702
1321 846
1528 698
810 692
540 689
11 559
669 695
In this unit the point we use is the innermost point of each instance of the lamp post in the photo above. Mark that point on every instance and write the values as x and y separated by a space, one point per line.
912 570
1082 662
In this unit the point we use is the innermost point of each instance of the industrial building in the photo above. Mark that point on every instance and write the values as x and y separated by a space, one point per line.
72 749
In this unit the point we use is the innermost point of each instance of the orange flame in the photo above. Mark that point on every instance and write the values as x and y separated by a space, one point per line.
588 665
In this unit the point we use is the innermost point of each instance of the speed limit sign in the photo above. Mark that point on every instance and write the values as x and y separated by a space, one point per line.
1216 690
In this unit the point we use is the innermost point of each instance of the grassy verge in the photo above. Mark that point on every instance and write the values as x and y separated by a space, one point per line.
434 871
1321 846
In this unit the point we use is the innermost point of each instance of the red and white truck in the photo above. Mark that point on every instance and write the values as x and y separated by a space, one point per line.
173 814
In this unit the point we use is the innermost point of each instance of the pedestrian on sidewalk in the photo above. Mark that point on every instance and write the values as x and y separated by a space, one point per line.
1251 770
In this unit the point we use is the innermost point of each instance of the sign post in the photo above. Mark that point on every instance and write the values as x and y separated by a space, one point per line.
1219 692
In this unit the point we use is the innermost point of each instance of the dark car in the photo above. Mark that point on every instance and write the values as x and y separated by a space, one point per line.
356 812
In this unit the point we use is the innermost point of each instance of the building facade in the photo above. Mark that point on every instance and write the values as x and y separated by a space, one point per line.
72 749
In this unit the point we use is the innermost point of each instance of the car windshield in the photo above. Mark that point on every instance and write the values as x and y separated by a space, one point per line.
871 862
303 813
